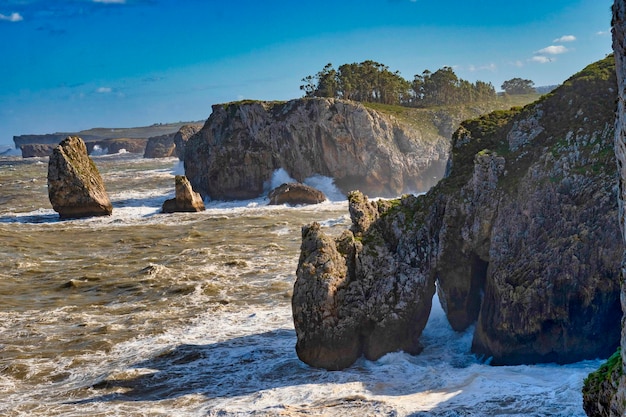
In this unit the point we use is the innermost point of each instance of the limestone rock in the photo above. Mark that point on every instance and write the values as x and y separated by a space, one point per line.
186 200
327 334
522 237
182 136
75 187
354 297
295 194
35 150
242 144
160 146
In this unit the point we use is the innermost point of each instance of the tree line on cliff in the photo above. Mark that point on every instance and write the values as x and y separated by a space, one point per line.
371 81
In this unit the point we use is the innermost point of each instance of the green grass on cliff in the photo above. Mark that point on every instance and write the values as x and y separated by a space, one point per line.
423 118
605 377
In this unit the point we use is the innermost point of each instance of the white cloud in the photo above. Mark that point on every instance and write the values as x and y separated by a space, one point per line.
552 50
104 90
110 1
565 38
540 59
13 17
489 67
603 32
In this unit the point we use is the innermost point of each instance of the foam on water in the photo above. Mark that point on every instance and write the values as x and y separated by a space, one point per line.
191 316
322 183
242 362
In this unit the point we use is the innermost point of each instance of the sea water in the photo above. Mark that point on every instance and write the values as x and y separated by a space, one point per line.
189 314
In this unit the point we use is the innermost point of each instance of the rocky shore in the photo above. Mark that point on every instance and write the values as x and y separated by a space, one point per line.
521 237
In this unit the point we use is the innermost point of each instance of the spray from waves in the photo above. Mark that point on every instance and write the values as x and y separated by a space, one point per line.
99 151
178 168
322 183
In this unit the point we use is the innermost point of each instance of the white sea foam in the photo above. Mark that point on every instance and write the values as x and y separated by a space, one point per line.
243 362
178 168
98 151
224 347
322 183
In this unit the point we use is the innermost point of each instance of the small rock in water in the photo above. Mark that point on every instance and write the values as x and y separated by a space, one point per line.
295 194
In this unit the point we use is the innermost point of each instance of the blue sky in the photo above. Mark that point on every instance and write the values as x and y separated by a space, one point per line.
69 65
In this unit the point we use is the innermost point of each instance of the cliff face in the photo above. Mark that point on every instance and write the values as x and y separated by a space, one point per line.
604 392
521 237
242 144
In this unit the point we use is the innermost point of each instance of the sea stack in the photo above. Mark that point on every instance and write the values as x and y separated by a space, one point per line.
186 200
75 187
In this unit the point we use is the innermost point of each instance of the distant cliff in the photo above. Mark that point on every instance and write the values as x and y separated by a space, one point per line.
383 151
521 237
95 135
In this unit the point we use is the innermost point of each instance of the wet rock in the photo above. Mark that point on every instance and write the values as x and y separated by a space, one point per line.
295 194
186 200
75 187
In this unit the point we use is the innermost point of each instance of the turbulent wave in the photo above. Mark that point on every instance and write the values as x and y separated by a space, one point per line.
189 314
322 183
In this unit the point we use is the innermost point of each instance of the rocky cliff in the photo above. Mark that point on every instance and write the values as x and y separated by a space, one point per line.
160 146
521 238
242 144
604 392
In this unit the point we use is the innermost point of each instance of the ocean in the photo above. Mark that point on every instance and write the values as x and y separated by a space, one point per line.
189 314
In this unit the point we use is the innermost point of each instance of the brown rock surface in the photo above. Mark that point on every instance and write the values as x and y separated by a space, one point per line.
242 144
186 200
182 136
160 146
36 150
295 194
75 187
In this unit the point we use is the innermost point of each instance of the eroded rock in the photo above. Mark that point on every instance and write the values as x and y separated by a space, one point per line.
186 200
242 144
75 187
295 194
522 237
160 146
182 136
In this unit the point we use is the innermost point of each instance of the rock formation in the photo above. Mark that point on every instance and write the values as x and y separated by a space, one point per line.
242 144
36 150
182 136
521 236
604 393
295 194
160 146
99 134
75 187
117 145
186 200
